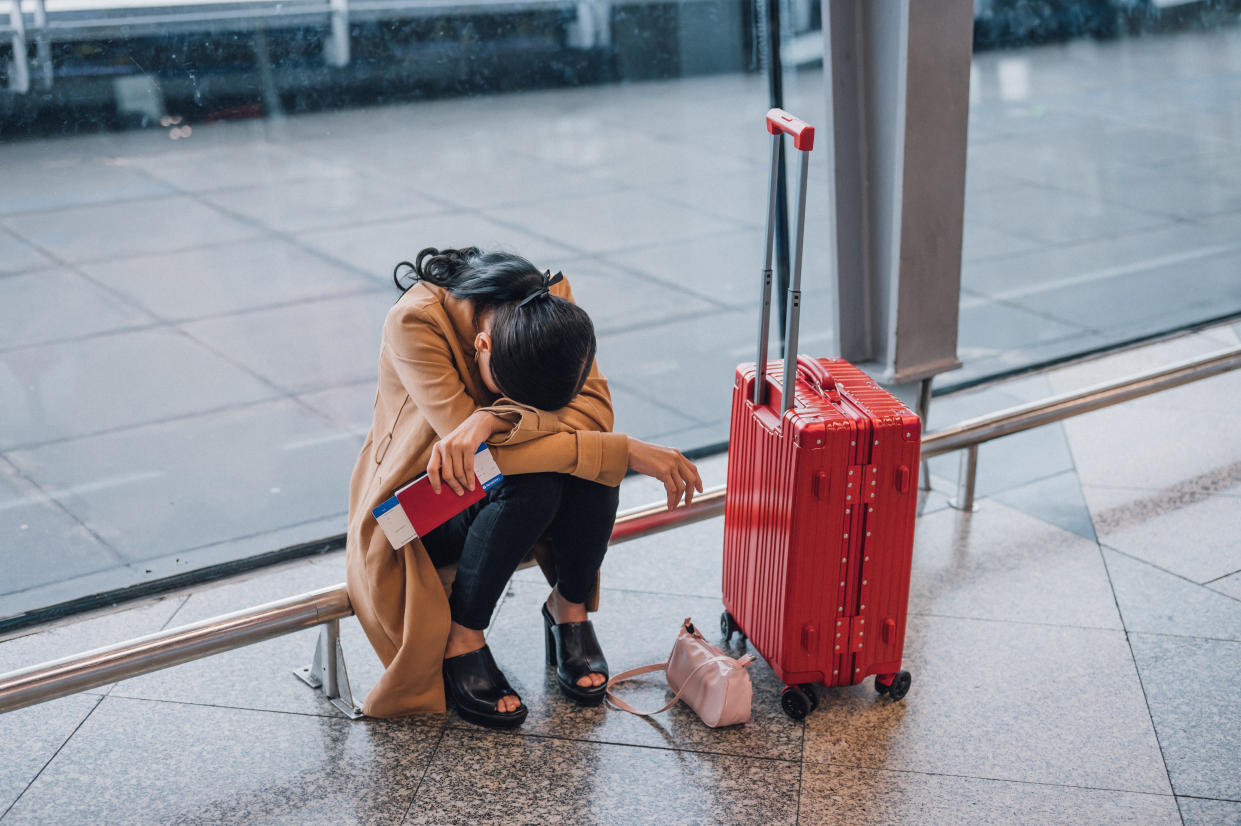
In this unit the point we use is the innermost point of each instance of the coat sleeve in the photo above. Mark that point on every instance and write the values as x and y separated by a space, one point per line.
538 442
424 364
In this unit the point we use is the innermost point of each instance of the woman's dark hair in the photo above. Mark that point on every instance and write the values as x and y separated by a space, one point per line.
542 348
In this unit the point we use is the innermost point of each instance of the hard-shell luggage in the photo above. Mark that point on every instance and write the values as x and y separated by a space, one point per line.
822 497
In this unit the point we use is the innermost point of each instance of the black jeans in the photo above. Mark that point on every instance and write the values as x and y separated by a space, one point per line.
489 539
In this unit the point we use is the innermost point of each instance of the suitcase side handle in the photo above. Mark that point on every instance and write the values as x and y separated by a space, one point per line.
819 377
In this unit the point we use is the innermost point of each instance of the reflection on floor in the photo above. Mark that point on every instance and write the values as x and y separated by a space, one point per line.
188 329
1075 646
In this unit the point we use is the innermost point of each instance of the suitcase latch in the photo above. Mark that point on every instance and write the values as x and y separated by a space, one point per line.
857 634
850 634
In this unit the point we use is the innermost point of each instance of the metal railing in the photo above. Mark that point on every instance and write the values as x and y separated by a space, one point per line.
326 607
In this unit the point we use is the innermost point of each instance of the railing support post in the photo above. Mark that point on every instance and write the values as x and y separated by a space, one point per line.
328 673
924 413
966 477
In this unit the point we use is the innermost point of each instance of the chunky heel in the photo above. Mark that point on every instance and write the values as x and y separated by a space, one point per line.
574 650
549 640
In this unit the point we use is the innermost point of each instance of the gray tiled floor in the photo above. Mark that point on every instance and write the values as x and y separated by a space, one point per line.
1055 679
157 289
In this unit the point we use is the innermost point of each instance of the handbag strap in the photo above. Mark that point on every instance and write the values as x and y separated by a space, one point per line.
647 669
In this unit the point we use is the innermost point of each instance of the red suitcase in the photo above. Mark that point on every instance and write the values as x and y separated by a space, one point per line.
822 496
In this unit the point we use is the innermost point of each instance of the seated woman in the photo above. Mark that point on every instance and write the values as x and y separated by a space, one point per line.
484 347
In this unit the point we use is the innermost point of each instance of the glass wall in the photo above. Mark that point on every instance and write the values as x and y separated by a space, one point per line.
201 205
200 211
1103 199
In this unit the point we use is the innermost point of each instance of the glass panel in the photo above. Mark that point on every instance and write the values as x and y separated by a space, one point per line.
201 204
1103 199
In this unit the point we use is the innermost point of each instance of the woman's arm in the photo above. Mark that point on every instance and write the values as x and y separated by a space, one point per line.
425 367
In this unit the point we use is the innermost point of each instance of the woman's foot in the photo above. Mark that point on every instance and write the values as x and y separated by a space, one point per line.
462 640
581 670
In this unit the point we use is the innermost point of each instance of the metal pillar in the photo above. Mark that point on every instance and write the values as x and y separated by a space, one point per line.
43 44
336 49
898 86
19 71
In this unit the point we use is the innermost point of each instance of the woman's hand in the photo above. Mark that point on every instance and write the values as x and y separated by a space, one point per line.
452 458
679 475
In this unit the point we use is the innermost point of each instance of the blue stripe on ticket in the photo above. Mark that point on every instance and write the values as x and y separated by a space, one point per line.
385 507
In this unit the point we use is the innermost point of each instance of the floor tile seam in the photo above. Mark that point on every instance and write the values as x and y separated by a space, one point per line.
62 507
1079 329
325 715
38 269
1187 637
364 286
159 322
289 393
1126 554
582 252
111 431
654 401
577 252
607 186
195 414
518 733
293 237
257 534
1105 236
367 287
1150 714
55 754
302 147
1204 797
986 779
413 798
1211 582
605 256
1030 623
993 494
1141 210
134 564
169 192
196 192
599 258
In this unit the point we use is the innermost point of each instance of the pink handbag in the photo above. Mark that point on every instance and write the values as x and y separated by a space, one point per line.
713 684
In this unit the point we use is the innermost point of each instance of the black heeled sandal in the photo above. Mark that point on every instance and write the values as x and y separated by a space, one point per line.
573 648
474 684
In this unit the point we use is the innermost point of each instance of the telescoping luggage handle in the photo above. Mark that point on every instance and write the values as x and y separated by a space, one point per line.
780 123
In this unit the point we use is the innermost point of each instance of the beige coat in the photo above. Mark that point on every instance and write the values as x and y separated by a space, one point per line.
428 384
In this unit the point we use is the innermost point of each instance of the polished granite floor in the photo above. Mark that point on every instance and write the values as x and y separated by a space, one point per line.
1075 646
188 329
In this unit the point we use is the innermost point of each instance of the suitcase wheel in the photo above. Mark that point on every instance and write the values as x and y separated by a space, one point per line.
728 626
796 702
897 688
812 692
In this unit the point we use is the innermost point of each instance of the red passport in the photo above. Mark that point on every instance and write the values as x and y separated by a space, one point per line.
415 510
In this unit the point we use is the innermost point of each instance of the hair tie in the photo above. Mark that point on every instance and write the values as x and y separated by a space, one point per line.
548 281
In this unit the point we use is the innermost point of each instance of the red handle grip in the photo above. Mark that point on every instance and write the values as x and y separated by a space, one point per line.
779 121
816 373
